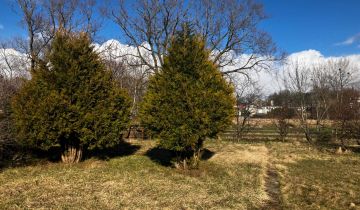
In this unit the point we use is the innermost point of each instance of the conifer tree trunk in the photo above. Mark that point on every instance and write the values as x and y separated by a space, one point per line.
71 151
71 154
196 159
181 161
185 164
190 159
197 154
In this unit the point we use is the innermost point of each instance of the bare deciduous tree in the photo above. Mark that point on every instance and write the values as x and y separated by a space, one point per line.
281 119
127 72
321 94
247 92
347 115
42 18
340 74
344 105
11 70
297 79
35 23
319 88
12 63
229 27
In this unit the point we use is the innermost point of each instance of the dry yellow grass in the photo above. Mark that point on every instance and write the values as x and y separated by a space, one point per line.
268 122
136 182
232 153
236 176
311 179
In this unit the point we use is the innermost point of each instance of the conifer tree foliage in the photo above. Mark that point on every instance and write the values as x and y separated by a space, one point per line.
188 100
71 101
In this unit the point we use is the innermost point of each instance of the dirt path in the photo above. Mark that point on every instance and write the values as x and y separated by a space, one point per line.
260 154
272 186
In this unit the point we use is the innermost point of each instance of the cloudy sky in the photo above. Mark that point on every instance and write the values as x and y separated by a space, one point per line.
312 30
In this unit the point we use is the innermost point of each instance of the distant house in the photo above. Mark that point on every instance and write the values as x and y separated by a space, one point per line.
257 110
265 110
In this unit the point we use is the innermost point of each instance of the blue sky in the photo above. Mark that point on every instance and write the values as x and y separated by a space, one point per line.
329 26
297 25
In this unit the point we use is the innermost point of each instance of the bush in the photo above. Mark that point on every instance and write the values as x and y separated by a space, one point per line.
347 116
188 100
282 116
71 101
324 135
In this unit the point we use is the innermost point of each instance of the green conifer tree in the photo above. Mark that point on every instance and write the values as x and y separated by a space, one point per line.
71 101
188 100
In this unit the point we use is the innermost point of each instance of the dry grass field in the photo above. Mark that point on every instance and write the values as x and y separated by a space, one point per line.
271 175
310 179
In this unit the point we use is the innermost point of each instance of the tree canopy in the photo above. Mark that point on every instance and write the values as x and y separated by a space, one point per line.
189 99
71 101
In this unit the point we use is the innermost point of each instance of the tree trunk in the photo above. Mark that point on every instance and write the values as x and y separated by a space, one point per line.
197 154
181 164
71 153
185 165
190 159
308 136
196 159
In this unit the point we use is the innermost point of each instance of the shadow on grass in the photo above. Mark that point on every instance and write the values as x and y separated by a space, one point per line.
166 157
207 154
332 147
122 149
356 149
20 157
161 156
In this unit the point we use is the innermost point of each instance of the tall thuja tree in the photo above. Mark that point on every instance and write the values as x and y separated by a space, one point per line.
71 101
188 101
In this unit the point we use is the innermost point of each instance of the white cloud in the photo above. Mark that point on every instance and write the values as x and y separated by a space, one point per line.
1 26
268 80
350 40
15 64
307 59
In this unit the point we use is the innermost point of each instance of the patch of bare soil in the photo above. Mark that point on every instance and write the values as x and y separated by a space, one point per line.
272 188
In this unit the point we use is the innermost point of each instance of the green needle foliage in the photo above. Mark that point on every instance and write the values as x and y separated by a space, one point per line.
188 100
71 101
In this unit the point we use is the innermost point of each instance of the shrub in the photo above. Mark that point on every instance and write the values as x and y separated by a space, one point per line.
282 116
71 101
188 100
324 135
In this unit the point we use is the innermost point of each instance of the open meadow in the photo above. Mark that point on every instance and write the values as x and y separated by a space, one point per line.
180 104
257 175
